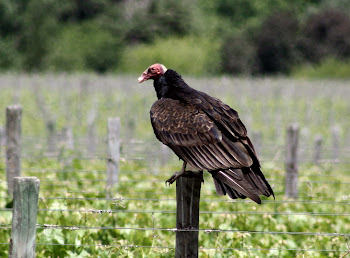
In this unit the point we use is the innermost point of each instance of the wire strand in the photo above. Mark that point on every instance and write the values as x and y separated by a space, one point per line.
201 212
200 248
47 226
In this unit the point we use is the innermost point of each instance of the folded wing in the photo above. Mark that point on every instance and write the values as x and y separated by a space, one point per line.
210 136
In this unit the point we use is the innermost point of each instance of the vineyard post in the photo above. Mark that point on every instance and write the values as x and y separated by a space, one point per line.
187 216
335 142
291 183
13 144
2 141
25 206
67 138
67 144
113 156
318 149
91 131
51 134
50 121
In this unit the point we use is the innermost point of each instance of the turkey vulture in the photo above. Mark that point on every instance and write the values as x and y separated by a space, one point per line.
206 134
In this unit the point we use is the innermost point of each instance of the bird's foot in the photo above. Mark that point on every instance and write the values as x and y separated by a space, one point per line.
173 178
187 173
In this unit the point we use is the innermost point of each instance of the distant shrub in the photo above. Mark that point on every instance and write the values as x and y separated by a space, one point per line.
329 68
236 10
37 32
238 55
159 18
276 43
10 59
84 47
326 34
8 17
188 55
77 10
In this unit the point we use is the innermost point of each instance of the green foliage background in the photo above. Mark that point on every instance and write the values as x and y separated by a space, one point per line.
227 36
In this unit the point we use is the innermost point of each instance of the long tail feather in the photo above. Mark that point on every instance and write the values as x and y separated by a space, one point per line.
241 183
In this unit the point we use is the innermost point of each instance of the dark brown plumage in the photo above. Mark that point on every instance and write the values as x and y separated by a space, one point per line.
205 133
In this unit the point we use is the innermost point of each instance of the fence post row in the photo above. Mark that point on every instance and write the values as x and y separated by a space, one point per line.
291 190
113 151
13 144
25 206
187 216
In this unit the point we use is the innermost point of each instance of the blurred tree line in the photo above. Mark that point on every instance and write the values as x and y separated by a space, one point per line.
224 36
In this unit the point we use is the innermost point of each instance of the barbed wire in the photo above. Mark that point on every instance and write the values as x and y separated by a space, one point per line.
272 181
201 212
205 230
319 199
200 248
205 193
82 142
202 200
64 182
155 173
149 157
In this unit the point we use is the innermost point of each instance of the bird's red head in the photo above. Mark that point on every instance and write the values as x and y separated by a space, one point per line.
153 72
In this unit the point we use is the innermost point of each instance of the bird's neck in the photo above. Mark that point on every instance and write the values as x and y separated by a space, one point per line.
174 89
159 88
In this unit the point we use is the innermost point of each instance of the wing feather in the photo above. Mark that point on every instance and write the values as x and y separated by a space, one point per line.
216 160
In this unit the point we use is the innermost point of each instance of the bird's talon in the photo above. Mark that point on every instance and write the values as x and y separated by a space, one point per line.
173 178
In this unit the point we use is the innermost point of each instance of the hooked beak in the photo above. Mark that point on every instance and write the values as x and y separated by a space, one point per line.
144 77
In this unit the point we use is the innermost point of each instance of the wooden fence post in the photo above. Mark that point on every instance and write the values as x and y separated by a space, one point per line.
2 136
50 121
25 206
2 142
66 145
51 135
13 144
113 151
335 142
187 216
291 190
91 131
67 139
318 149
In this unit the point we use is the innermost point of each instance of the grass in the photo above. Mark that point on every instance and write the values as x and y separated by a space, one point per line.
70 182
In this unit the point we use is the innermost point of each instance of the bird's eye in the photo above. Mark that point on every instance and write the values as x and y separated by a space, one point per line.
153 68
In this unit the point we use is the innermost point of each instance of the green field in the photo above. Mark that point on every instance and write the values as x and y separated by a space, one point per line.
76 219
